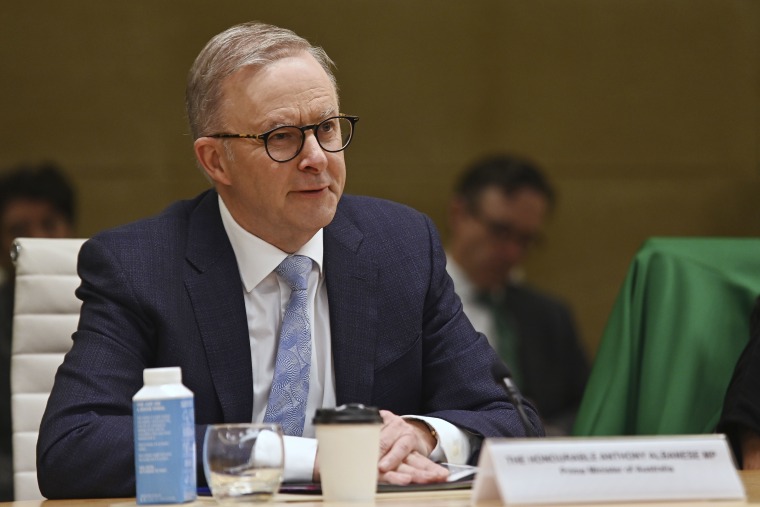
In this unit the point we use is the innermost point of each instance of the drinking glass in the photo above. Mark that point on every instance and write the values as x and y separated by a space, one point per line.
243 462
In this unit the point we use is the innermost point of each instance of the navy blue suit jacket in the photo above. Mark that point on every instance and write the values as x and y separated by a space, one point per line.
166 291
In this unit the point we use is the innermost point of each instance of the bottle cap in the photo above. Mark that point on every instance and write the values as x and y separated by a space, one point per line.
352 413
158 376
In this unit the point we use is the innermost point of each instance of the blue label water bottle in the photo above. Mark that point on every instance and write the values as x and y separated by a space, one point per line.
164 424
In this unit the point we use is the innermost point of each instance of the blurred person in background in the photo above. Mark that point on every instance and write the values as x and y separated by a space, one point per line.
496 216
740 418
36 201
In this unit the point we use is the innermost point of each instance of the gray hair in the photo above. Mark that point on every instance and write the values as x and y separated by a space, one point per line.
248 44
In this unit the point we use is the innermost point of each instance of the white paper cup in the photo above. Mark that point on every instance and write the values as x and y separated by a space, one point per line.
349 449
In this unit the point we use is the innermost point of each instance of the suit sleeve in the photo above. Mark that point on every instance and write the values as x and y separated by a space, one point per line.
426 357
458 386
87 425
85 447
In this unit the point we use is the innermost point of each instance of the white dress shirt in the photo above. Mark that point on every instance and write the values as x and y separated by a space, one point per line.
266 297
480 315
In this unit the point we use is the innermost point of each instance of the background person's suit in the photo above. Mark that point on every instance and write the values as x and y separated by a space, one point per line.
553 365
166 291
535 335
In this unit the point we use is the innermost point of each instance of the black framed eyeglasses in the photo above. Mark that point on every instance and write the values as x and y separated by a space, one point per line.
506 232
284 143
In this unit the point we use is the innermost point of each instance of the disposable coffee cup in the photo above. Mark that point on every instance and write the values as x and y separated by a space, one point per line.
349 448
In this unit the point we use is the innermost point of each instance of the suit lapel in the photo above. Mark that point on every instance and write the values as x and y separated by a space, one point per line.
352 295
213 283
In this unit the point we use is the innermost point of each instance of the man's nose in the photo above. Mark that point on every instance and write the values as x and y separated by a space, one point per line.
313 157
512 251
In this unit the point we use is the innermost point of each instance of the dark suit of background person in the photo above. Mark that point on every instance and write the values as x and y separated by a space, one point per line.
740 419
167 291
497 213
35 201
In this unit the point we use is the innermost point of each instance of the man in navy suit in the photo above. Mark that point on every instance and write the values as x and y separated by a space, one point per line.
196 287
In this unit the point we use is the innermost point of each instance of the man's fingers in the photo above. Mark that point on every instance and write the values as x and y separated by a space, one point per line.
397 441
415 469
425 468
393 427
396 454
397 478
401 461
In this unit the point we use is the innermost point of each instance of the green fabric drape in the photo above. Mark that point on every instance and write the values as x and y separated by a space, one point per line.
673 338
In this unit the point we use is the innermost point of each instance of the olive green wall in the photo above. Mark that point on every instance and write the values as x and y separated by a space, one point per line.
645 113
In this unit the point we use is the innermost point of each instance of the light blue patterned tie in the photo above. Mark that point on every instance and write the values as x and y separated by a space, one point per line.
290 385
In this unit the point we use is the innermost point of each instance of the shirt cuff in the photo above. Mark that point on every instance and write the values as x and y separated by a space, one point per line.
454 444
300 454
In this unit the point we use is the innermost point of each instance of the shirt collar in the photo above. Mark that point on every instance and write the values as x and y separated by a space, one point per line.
255 257
462 285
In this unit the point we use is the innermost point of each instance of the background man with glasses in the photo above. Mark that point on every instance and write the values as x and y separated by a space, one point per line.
358 286
496 216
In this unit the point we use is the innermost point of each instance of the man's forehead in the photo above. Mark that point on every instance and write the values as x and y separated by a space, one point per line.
525 202
253 71
495 193
283 116
280 95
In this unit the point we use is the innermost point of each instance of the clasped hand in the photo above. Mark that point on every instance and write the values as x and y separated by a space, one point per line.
405 445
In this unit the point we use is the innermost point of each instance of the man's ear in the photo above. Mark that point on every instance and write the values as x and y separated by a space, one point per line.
210 154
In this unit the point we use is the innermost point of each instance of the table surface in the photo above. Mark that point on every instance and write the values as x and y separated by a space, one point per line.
452 498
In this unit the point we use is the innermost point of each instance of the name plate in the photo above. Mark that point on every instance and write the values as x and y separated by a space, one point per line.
606 469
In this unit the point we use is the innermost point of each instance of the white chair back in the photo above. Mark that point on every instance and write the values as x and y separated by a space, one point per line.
45 315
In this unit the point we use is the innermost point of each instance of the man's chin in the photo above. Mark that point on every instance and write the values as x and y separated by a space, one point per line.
320 217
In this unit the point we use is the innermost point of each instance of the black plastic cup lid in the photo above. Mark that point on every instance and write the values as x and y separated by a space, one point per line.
351 413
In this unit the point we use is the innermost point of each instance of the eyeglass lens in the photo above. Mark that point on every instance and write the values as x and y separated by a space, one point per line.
333 134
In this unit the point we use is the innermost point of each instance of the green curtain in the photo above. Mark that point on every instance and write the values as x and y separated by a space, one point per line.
675 333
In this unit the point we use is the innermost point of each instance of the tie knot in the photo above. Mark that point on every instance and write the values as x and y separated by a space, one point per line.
295 271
